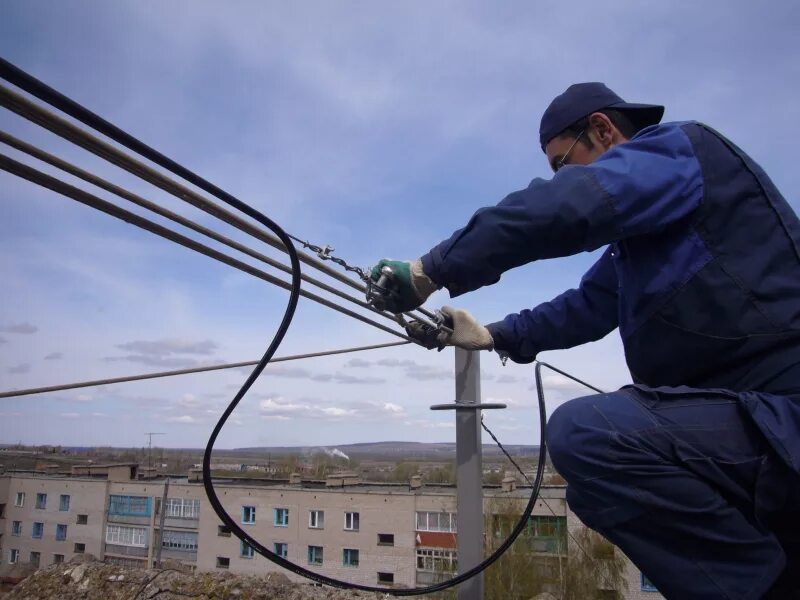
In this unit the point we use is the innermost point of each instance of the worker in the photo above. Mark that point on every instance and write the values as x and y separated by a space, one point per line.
694 469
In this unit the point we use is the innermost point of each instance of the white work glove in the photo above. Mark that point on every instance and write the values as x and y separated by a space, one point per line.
467 332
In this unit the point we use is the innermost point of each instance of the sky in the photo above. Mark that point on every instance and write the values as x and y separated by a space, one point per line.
375 127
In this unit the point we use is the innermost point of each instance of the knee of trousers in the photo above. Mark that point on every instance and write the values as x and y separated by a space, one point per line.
578 440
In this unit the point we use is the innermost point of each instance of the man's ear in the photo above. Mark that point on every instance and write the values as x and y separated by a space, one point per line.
602 129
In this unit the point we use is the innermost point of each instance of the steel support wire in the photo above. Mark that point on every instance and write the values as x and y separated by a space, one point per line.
29 110
61 187
44 92
40 154
83 384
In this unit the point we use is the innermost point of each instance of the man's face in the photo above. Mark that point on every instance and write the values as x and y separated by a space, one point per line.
561 149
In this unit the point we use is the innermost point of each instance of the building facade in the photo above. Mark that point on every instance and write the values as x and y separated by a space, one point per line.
380 535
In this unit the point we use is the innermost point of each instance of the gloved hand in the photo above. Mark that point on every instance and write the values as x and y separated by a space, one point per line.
467 332
411 286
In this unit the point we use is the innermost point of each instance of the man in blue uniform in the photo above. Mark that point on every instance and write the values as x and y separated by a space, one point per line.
694 470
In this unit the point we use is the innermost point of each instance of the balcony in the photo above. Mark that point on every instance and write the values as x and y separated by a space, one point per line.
126 550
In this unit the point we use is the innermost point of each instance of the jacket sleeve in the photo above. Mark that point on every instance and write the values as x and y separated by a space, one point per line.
575 317
635 188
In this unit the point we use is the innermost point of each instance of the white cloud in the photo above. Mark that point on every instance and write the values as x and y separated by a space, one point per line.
166 347
181 419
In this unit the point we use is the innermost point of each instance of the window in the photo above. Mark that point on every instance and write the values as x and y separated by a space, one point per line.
126 536
248 515
245 550
41 501
436 560
223 562
385 539
36 557
315 555
63 502
280 549
79 548
351 521
647 585
130 506
350 557
83 519
2 511
20 499
385 577
183 508
548 534
316 519
61 532
13 556
223 531
58 559
436 521
185 541
281 517
16 528
37 531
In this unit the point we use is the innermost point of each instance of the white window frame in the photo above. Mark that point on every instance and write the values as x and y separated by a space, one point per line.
20 499
16 528
284 546
321 555
41 496
13 556
61 502
246 550
284 522
252 515
441 521
437 560
179 540
345 552
352 521
119 535
316 519
33 530
183 508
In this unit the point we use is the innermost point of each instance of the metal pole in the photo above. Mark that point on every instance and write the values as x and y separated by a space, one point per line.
161 516
469 472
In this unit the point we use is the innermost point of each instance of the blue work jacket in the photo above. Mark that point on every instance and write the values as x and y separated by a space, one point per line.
701 274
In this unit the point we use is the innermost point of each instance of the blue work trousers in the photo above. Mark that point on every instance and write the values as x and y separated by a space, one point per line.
686 485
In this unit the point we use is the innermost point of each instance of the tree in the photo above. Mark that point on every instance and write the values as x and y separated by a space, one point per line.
595 569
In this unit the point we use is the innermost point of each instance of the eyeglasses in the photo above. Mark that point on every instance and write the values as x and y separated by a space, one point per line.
563 160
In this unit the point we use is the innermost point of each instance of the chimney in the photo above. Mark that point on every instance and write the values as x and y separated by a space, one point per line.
509 483
416 482
295 479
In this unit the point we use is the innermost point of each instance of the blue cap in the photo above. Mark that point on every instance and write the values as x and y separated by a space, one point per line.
582 99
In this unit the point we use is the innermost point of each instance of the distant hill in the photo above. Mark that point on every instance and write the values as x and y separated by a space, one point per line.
390 450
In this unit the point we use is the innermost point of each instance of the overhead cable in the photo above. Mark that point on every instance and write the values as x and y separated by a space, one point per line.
97 382
48 158
41 116
21 170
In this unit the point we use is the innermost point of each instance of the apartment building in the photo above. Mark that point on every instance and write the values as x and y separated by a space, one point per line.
384 535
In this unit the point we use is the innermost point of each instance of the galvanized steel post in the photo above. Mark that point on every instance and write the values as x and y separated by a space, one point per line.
469 472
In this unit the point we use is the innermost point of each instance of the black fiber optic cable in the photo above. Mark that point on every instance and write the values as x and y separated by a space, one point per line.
33 86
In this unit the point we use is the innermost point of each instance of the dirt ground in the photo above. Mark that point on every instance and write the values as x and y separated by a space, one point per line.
99 581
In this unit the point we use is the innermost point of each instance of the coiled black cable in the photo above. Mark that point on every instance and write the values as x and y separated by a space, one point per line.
33 86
